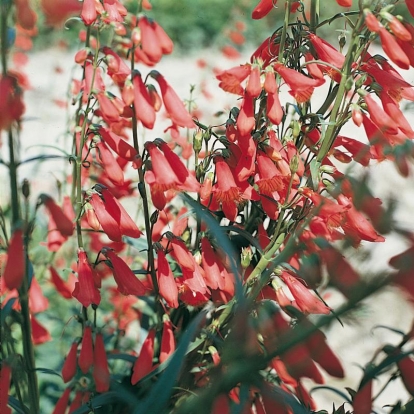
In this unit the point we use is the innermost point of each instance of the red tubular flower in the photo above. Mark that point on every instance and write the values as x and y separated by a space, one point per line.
274 110
143 364
329 54
210 262
150 43
100 373
16 261
85 290
115 10
40 334
173 104
410 6
166 282
60 285
58 11
25 16
323 354
263 8
113 217
69 366
344 3
118 144
399 30
406 367
118 70
254 86
108 163
395 113
371 21
88 14
231 79
85 360
245 119
313 69
380 117
128 283
5 376
306 301
164 40
393 49
167 346
144 110
63 224
362 400
77 402
62 403
226 191
301 86
11 104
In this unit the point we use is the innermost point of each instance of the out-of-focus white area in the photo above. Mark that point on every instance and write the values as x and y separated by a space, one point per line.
45 123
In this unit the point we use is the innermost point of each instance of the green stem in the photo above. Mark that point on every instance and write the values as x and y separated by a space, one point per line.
314 15
335 119
284 31
144 194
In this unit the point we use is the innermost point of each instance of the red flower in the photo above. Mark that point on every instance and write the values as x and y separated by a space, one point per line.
118 144
143 364
62 403
109 164
380 117
85 290
114 219
306 301
5 375
40 334
301 86
226 191
393 49
166 282
406 367
173 104
88 14
164 40
410 6
70 365
150 43
25 16
115 10
63 224
85 360
144 110
57 11
344 3
128 283
362 400
100 373
263 8
254 86
167 346
11 104
118 70
16 261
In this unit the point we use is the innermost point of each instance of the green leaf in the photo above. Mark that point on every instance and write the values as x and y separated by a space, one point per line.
7 308
334 390
315 168
158 398
49 371
18 406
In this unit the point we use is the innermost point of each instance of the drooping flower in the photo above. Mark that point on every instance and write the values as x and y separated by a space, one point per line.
143 364
254 86
245 120
100 373
118 70
60 285
118 144
5 376
85 360
344 3
164 40
86 291
306 301
109 164
11 104
63 402
63 224
88 14
301 86
57 11
172 103
40 334
128 283
114 219
16 261
362 401
393 49
70 364
166 284
167 346
263 8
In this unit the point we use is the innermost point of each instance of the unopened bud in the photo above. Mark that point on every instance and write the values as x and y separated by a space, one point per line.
26 188
294 164
295 129
154 217
198 141
246 257
349 84
361 80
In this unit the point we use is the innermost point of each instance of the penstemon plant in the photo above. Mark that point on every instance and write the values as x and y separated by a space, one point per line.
212 298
